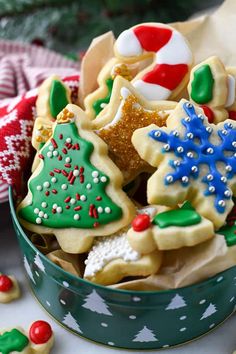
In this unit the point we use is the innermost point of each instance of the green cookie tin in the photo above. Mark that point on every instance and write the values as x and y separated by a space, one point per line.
127 319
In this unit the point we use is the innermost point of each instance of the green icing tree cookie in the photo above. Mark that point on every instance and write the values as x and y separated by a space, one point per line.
100 103
67 190
13 341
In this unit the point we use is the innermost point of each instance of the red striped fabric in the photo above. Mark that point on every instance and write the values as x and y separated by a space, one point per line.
23 67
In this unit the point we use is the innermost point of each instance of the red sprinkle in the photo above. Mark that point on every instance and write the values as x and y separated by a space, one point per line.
54 191
61 136
81 179
70 175
98 197
81 170
95 213
72 180
77 196
76 167
51 174
77 146
64 173
69 146
57 170
64 151
91 207
47 193
67 206
54 211
67 199
59 158
68 165
77 208
96 224
54 144
41 156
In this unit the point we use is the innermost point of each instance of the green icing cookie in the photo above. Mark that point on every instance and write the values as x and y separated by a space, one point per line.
98 105
58 98
179 217
13 341
202 85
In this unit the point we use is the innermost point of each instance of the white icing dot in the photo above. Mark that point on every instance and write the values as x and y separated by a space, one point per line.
103 324
96 180
46 184
76 173
100 210
39 188
66 284
36 210
45 216
64 186
44 205
107 210
95 174
89 186
68 159
48 303
51 148
83 197
49 154
72 201
76 217
59 209
41 214
55 153
53 179
132 317
68 140
219 279
103 179
202 302
183 318
54 206
38 221
136 299
182 329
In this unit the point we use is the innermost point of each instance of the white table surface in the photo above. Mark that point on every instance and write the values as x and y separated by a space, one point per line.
27 310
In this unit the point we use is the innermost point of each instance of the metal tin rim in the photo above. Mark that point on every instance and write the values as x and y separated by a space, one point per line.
87 282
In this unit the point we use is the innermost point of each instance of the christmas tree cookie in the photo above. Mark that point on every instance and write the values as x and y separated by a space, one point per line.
169 230
229 229
9 288
112 258
195 160
98 100
38 340
210 86
126 112
75 193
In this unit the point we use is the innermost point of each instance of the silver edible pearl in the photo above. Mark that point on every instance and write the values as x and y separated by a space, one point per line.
169 179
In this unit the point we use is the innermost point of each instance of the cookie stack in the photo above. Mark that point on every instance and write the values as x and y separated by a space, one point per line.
142 165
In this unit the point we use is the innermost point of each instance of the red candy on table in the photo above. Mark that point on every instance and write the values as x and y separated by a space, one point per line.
141 222
5 283
40 332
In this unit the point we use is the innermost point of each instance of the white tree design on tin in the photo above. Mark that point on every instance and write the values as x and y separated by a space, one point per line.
176 303
96 303
71 322
145 335
28 270
209 311
39 263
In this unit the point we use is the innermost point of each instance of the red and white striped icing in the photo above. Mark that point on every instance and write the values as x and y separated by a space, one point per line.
173 58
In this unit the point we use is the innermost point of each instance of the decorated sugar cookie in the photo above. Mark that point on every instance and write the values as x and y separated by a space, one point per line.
172 59
112 258
38 340
229 229
169 230
98 100
9 288
127 112
231 107
212 88
75 193
195 160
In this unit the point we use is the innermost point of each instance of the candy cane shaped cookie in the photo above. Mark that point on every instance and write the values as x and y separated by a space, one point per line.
168 75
